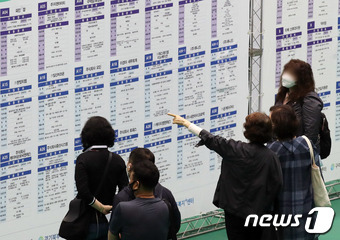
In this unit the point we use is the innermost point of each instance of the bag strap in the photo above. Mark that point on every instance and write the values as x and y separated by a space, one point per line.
311 151
172 233
105 173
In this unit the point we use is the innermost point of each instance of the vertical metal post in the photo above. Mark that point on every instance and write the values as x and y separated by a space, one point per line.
255 55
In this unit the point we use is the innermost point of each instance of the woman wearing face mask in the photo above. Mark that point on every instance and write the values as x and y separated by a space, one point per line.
298 91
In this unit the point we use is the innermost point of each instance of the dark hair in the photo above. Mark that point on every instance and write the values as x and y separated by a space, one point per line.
285 123
146 173
304 81
258 128
97 131
141 154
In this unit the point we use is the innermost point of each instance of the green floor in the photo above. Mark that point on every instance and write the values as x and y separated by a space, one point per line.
333 234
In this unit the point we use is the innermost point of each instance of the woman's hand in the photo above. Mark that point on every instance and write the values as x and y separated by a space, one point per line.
179 120
106 209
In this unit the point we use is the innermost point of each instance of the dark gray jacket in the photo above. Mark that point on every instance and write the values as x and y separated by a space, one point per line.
308 112
250 179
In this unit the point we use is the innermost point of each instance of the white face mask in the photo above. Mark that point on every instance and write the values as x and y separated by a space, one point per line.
288 80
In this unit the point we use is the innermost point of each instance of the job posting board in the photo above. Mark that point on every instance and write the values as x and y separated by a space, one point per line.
132 62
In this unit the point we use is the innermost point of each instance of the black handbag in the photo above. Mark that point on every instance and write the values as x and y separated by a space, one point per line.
76 223
77 220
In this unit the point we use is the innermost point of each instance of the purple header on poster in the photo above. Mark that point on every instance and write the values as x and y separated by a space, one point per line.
279 37
18 89
122 82
14 31
310 25
123 69
59 10
21 101
279 31
90 75
85 89
122 1
148 63
53 95
325 29
52 25
120 14
4 84
222 49
319 41
288 48
224 60
4 12
21 17
95 5
42 6
160 74
189 68
181 57
189 1
90 19
79 2
159 7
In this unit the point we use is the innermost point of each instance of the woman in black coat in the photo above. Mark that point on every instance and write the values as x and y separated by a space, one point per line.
96 136
250 177
297 90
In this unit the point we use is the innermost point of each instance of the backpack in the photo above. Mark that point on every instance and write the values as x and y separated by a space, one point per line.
325 138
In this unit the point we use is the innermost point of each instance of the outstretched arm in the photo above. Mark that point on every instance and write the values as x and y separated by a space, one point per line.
183 122
218 144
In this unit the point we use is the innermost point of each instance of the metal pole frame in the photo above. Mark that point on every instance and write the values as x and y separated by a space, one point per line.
255 55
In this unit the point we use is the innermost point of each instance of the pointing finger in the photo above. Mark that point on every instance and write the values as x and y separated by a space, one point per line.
172 115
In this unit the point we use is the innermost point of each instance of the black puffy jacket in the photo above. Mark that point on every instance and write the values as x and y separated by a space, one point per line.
308 112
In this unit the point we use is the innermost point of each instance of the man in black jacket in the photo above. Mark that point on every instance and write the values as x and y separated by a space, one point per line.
140 155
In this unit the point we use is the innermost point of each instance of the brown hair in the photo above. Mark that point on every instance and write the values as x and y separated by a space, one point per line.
304 81
258 128
285 122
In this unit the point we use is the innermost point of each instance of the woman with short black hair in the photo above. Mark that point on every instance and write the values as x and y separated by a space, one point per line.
296 196
97 131
97 136
250 174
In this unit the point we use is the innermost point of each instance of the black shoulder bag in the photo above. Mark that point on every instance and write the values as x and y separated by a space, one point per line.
77 220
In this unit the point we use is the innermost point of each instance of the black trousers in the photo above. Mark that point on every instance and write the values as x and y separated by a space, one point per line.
237 231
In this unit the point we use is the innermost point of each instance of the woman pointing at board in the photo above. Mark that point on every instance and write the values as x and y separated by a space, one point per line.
250 176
